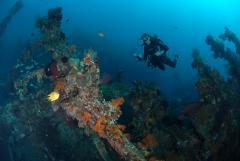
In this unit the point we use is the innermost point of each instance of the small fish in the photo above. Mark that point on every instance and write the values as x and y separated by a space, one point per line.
67 20
101 34
53 96
32 34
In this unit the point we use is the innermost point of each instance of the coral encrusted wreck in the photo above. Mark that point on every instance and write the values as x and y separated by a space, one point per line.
75 88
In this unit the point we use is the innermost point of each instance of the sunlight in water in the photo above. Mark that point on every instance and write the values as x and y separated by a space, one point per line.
221 4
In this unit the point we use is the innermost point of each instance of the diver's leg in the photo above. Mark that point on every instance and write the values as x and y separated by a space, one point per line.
159 63
169 62
161 66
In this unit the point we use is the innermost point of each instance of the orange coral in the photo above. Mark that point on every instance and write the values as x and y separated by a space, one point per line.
128 136
86 117
115 131
154 159
59 86
118 102
150 141
87 59
99 127
121 127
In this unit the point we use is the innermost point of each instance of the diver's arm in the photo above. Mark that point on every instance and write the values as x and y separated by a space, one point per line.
138 56
145 55
163 48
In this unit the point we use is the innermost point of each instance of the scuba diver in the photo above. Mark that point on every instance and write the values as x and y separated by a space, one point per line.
155 52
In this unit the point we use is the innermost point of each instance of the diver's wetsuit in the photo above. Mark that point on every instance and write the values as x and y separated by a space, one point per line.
154 60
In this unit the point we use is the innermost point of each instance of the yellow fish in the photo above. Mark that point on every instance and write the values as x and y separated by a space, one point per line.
101 34
53 96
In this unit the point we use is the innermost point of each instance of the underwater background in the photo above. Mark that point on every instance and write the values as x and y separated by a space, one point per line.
113 30
182 25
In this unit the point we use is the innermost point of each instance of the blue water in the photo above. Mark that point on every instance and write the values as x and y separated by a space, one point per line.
181 24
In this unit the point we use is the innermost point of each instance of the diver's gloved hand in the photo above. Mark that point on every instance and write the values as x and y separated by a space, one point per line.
176 56
159 53
139 57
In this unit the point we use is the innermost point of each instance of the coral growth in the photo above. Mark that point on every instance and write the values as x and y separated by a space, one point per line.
77 88
86 116
59 85
117 102
219 51
150 141
100 116
100 126
213 120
